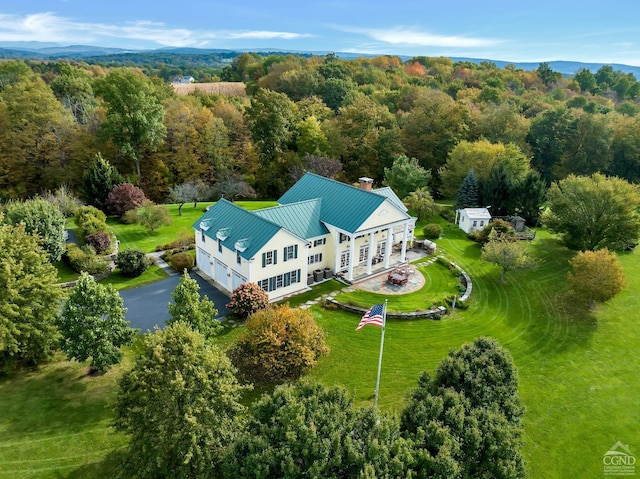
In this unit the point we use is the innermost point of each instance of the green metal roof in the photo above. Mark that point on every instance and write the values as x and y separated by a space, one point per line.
302 219
344 206
389 194
238 225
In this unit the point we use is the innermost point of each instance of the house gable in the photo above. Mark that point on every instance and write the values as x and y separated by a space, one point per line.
344 206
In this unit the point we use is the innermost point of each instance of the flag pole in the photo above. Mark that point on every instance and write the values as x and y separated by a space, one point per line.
384 323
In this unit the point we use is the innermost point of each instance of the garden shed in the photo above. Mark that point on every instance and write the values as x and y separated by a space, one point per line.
472 219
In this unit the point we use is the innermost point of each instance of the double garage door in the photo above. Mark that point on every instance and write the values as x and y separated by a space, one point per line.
218 271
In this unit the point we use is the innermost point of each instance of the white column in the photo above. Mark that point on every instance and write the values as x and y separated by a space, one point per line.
352 254
388 246
336 255
403 253
370 256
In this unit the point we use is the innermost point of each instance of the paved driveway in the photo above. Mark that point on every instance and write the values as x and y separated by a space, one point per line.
147 305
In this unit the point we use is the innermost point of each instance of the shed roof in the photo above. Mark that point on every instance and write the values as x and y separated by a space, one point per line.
479 213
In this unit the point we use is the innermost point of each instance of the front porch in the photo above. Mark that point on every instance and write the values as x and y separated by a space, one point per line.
360 270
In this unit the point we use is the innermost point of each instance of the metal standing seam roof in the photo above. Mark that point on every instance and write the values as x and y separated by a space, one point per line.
302 219
389 194
479 213
240 225
343 206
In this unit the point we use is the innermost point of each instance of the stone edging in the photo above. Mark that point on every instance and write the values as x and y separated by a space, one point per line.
467 280
436 313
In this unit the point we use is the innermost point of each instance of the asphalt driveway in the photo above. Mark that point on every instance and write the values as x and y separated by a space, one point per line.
147 305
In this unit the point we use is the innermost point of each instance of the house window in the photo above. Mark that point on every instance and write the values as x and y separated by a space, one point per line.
219 245
343 237
344 259
295 276
269 257
320 242
264 284
238 257
475 223
315 258
364 254
482 223
279 281
381 248
290 252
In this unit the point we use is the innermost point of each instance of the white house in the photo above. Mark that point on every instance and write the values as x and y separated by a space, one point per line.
318 224
472 219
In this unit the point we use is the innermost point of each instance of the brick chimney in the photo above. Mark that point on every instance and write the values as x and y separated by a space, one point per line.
366 184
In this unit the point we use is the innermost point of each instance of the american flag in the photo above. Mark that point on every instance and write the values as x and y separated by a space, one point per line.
374 316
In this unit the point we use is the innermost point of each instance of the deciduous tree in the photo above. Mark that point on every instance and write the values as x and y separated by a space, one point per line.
43 219
134 113
29 299
421 203
279 344
189 307
594 212
507 253
314 431
180 406
92 325
596 276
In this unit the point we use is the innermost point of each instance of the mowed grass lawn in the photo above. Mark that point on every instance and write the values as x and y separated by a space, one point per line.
578 370
138 237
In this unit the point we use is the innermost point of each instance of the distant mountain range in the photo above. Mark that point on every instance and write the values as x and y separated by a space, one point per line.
52 51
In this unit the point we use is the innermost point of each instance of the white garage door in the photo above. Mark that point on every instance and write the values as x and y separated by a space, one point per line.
237 280
221 274
203 260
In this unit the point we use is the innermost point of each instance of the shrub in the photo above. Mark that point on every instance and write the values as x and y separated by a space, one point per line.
503 230
248 298
132 262
130 217
64 199
99 241
432 231
85 259
152 216
125 197
85 211
279 344
182 243
182 261
91 220
448 214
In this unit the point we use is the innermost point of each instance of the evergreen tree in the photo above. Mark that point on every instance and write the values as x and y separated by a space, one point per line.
93 325
529 197
98 182
498 191
190 308
467 196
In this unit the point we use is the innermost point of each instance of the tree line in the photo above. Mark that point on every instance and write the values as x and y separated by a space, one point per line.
362 114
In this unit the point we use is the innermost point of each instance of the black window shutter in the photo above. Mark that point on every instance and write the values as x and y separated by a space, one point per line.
264 259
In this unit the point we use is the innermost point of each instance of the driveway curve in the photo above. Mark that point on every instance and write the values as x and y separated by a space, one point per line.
147 305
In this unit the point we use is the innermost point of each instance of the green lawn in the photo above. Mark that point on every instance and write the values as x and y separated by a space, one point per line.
578 370
138 237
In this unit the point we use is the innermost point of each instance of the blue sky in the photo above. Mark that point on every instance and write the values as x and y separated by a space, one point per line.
541 30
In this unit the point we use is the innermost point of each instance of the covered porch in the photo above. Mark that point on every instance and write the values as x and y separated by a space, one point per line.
395 259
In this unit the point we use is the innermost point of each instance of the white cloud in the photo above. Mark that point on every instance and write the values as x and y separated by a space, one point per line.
49 27
413 37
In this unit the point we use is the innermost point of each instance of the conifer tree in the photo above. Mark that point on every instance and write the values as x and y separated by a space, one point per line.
467 196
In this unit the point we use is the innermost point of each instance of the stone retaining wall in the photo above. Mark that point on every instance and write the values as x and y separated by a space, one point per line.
436 313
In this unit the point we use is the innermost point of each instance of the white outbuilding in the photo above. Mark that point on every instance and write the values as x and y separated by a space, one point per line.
472 219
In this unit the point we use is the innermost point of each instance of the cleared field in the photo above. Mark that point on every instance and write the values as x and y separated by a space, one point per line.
216 88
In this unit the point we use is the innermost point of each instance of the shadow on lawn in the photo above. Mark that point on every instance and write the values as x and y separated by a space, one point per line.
108 467
79 401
